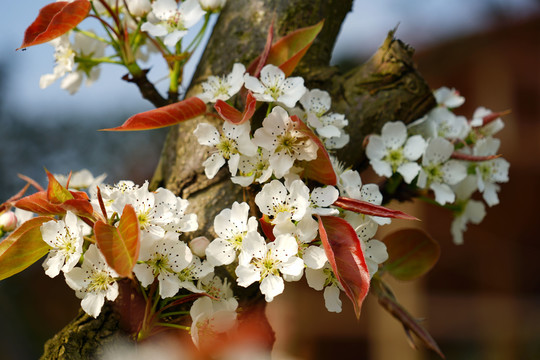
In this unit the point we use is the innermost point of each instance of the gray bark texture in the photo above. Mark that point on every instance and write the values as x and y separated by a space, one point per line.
385 88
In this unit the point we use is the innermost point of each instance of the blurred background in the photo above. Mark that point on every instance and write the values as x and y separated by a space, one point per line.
482 299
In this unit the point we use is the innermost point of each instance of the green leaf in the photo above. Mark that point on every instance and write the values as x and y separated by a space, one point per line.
344 252
411 253
23 247
55 20
120 245
164 116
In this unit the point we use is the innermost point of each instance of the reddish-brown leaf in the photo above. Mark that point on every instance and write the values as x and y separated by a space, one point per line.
55 20
56 193
230 114
267 228
321 168
287 52
164 116
120 245
411 253
345 255
22 247
255 67
39 204
364 207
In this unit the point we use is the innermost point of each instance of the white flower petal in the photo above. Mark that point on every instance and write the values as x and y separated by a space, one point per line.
272 286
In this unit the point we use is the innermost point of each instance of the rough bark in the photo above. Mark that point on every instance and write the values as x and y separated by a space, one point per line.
386 88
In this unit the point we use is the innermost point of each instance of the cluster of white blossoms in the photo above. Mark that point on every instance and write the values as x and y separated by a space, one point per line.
272 158
447 154
79 53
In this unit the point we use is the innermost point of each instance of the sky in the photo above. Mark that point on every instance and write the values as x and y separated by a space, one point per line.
421 23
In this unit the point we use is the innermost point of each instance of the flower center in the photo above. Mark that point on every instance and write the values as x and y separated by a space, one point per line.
100 281
226 147
395 158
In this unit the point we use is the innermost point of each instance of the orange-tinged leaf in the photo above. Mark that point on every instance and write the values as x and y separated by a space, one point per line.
55 20
230 114
164 116
364 207
321 168
56 193
39 204
287 52
120 245
344 252
411 253
267 227
23 247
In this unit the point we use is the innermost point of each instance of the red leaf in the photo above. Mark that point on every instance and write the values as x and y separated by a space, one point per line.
39 204
120 245
364 207
55 20
56 193
164 116
230 114
23 247
267 228
321 168
344 253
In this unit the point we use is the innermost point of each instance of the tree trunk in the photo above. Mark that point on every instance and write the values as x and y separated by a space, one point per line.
386 88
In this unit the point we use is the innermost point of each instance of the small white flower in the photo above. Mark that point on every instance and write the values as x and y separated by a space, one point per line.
165 259
268 262
393 152
93 281
172 20
321 199
232 227
216 287
253 168
223 88
66 240
234 141
211 317
273 87
196 270
286 144
470 211
324 278
212 5
449 98
283 204
489 129
438 172
490 172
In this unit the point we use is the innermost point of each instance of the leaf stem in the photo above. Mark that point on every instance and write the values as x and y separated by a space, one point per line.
175 326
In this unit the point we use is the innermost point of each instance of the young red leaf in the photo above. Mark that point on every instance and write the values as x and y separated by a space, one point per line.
411 253
120 245
55 20
230 114
22 247
164 116
255 67
345 255
287 52
364 207
56 193
39 204
267 228
321 168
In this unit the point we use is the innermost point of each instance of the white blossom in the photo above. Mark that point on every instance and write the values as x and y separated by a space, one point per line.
438 172
324 278
282 203
66 241
274 87
268 262
285 143
470 211
223 88
172 20
490 172
212 5
393 151
211 317
80 180
234 141
195 271
232 227
93 281
321 198
253 168
163 259
449 98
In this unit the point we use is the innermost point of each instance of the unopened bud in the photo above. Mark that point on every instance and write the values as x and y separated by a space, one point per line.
198 245
8 221
212 5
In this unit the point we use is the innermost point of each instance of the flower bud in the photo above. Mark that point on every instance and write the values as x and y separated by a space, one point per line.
199 245
139 7
212 5
8 221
